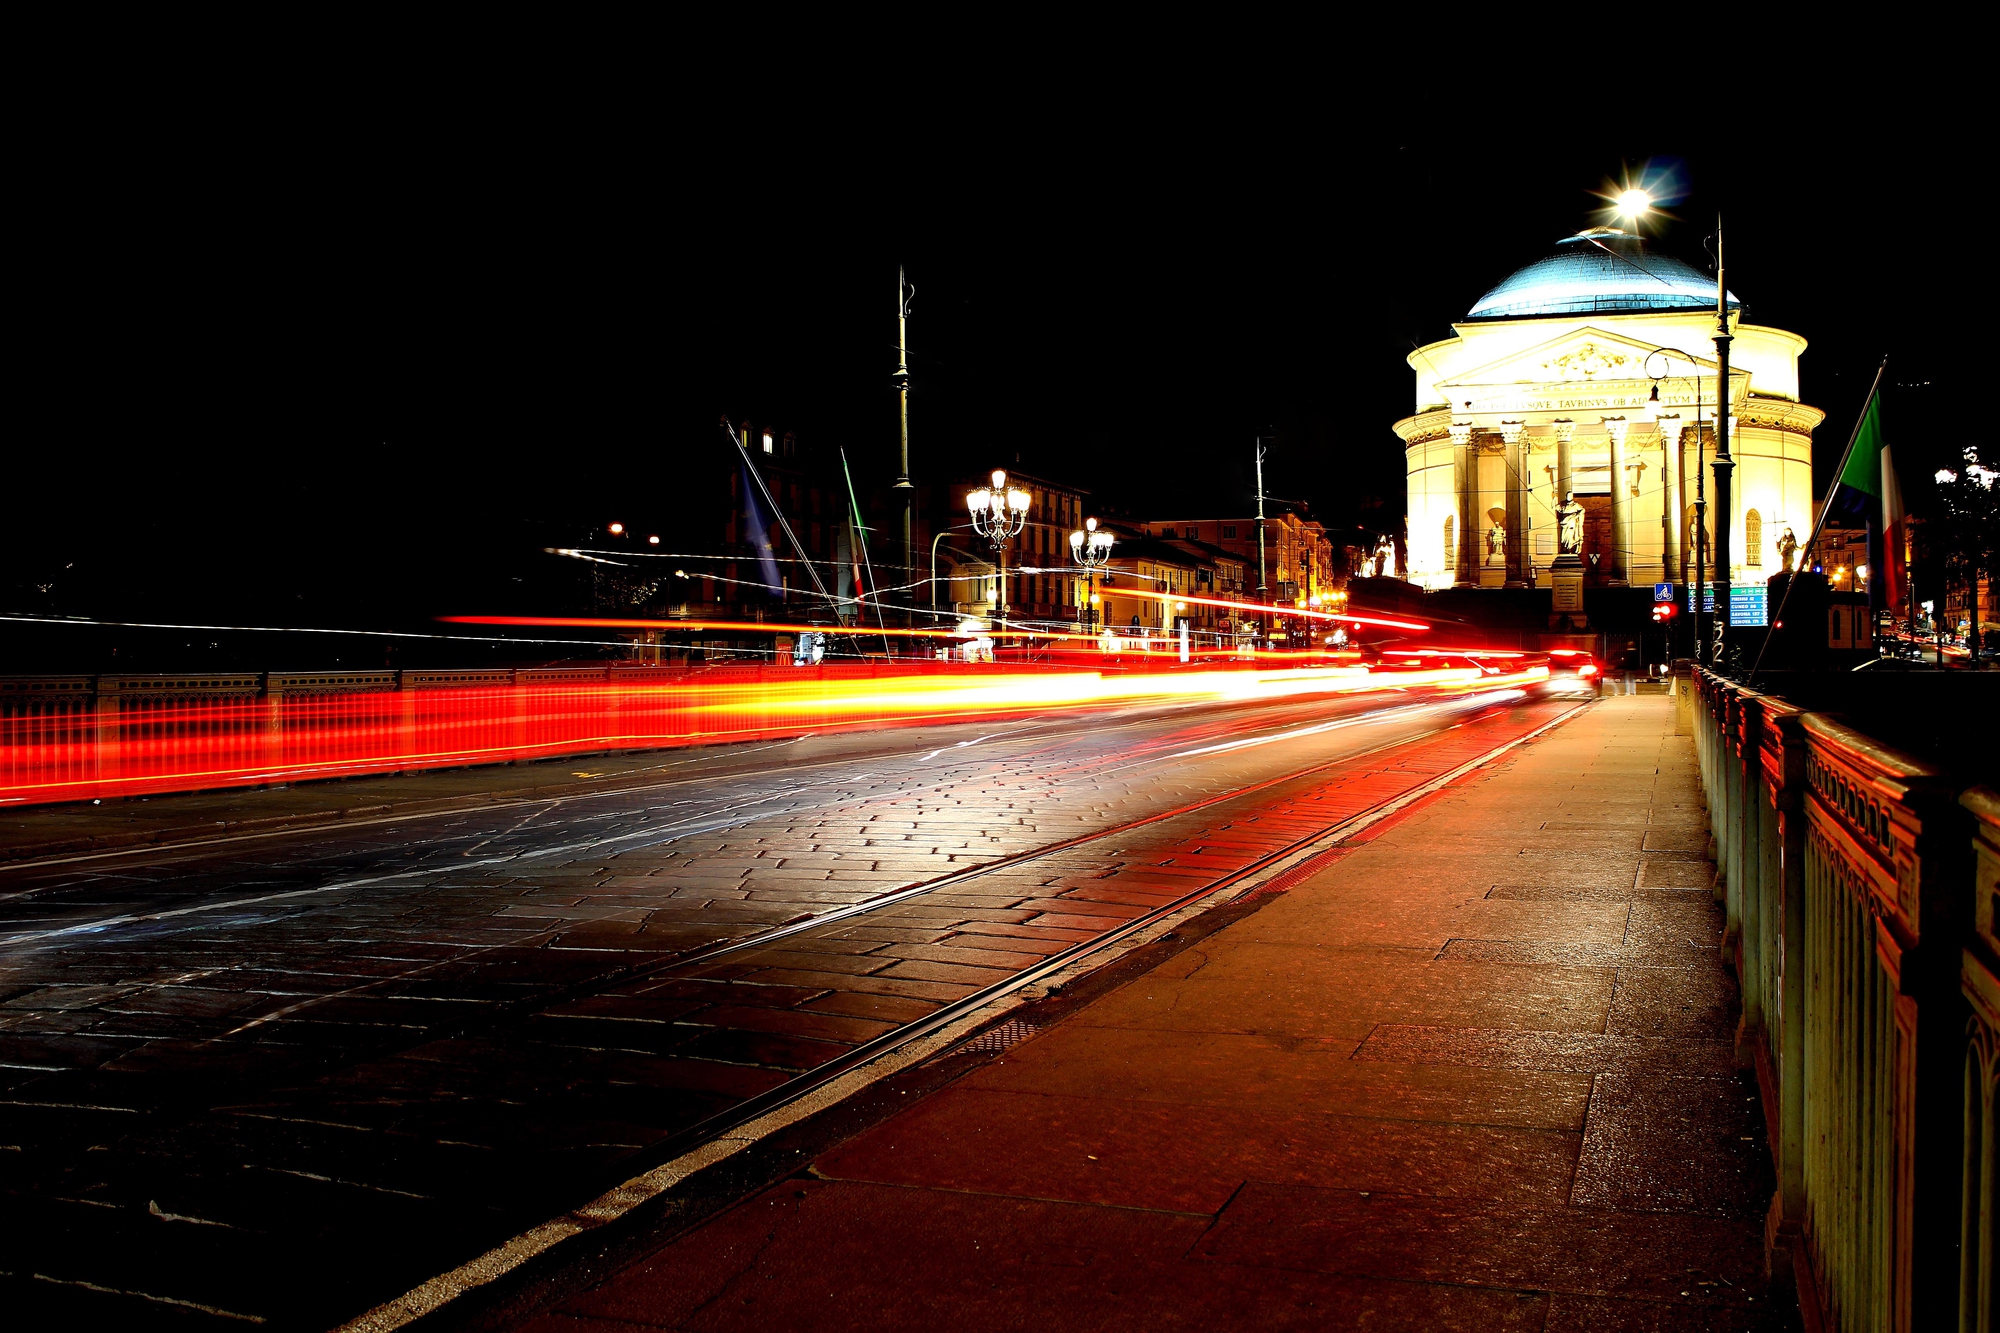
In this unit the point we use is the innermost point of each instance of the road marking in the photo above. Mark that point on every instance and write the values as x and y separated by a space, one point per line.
616 1203
215 1310
1314 730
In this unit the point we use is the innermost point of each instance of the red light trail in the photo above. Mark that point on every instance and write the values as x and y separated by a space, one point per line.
140 746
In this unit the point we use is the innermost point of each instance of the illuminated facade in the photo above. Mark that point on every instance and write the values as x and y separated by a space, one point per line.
1544 390
1298 557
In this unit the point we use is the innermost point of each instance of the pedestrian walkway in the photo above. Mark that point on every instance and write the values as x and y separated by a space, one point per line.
1476 1074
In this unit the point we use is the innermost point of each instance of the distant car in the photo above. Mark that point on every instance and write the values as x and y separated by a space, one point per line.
1573 672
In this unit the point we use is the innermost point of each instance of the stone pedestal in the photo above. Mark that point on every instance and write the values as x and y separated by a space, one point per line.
1566 605
1493 576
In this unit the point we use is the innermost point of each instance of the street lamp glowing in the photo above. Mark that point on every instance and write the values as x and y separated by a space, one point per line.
1634 204
616 529
652 541
1090 547
999 513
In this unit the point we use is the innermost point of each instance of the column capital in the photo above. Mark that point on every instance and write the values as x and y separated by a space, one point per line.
1564 428
1461 433
1615 427
1512 431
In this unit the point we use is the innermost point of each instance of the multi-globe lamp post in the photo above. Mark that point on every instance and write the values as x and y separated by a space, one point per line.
999 512
1091 549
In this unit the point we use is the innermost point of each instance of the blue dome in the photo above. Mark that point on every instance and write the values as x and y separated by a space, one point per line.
1601 270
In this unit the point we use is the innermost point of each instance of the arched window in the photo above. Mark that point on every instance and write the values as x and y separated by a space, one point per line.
1753 539
1450 549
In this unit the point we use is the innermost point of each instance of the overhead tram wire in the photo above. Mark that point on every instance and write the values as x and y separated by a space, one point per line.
861 536
85 623
750 465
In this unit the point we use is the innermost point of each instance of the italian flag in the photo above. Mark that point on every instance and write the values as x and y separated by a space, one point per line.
1871 471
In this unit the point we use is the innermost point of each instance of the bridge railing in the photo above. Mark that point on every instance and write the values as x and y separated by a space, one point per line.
1846 870
72 738
66 738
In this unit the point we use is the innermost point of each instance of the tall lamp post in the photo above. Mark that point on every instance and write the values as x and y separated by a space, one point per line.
1635 204
999 512
906 489
1670 467
1091 549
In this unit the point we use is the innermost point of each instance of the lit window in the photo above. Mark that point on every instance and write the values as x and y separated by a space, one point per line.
767 441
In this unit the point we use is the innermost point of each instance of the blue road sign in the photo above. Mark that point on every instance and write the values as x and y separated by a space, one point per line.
1663 592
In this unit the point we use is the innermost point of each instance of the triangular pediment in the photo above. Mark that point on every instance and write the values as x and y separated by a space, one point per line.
1587 355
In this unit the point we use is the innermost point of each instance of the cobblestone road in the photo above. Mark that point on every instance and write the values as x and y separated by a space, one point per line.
286 1077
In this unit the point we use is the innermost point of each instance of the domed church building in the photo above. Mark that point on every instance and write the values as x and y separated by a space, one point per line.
1546 390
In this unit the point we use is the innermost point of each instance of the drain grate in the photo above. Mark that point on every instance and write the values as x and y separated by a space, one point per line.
1301 872
1010 1033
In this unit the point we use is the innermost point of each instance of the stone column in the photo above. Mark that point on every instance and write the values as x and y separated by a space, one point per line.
1621 505
1670 483
1464 470
1520 521
1566 571
1564 430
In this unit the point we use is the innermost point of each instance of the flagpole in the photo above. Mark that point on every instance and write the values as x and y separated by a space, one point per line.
861 536
1825 508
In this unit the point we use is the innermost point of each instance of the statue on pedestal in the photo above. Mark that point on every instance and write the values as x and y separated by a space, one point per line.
1569 526
1788 546
1496 543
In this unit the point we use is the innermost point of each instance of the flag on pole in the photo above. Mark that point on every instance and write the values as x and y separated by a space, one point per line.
1871 470
854 559
757 531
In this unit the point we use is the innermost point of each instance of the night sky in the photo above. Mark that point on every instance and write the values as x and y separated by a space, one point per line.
338 367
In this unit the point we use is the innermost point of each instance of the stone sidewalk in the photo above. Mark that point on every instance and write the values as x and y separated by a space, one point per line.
1475 1074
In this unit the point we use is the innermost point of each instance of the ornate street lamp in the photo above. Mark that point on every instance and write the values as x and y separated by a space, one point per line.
1635 204
1091 549
999 512
1699 533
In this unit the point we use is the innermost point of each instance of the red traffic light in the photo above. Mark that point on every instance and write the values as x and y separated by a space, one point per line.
1663 612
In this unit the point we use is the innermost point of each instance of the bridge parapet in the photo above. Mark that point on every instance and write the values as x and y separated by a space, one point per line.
1847 871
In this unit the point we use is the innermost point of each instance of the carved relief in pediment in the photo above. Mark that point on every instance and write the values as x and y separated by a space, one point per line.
1590 362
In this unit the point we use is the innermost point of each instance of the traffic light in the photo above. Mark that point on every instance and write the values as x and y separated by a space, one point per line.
1664 611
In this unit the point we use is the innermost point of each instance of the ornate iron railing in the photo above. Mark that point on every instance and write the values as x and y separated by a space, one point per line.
1871 1010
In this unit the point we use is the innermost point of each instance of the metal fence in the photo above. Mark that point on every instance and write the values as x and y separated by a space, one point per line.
1871 1013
